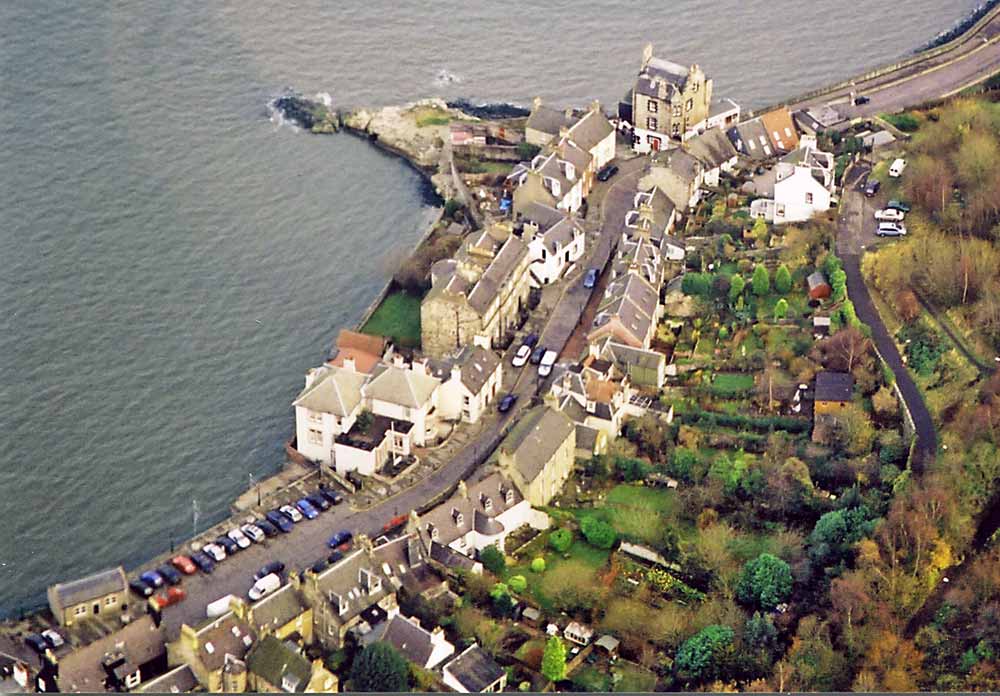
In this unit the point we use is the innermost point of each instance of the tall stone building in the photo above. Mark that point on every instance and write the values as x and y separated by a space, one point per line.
668 101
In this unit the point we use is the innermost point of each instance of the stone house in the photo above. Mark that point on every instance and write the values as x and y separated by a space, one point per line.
592 132
178 680
283 614
274 666
545 123
628 313
478 296
715 152
473 671
101 594
668 101
216 653
555 178
555 241
645 368
538 454
594 394
470 382
678 174
426 649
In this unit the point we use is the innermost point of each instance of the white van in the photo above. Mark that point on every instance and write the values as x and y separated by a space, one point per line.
265 586
897 167
548 360
219 606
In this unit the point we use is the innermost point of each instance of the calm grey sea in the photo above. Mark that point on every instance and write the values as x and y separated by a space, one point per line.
171 261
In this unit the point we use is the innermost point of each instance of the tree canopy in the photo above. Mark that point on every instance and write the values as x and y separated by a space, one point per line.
698 658
765 582
554 659
379 667
598 533
761 281
493 560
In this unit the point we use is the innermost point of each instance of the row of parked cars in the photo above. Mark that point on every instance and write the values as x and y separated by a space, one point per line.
890 219
278 521
531 352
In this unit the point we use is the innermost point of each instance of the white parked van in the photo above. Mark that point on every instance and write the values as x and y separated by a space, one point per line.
548 360
219 606
265 586
897 167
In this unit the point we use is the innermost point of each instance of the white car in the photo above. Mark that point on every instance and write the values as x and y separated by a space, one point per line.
216 552
239 537
265 586
891 229
889 215
548 360
521 357
54 639
292 512
254 532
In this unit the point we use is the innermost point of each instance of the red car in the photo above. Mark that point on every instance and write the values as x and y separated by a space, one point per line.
173 596
397 521
184 564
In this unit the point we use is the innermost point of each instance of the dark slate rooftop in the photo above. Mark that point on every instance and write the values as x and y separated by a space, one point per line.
834 386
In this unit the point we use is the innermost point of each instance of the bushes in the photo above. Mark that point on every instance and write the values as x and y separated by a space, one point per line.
493 560
908 123
518 583
538 565
561 540
598 533
697 284
631 469
923 347
710 418
700 657
526 150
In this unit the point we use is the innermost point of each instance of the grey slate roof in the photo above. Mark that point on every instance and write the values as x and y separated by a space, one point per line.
752 131
591 130
586 437
279 608
179 680
451 558
334 390
815 279
712 148
497 273
543 216
412 641
227 635
399 385
834 386
534 440
91 587
444 519
548 120
474 669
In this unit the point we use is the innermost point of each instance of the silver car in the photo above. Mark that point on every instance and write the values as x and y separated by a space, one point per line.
891 229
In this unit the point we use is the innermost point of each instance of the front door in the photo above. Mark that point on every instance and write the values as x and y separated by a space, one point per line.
97 608
654 144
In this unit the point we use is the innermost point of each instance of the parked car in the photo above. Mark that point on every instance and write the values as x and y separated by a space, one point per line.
531 340
265 586
861 99
318 501
898 205
872 187
335 557
253 533
214 551
141 588
306 508
548 360
184 564
506 403
291 513
891 229
889 215
36 643
897 167
340 539
228 544
319 566
219 606
520 358
203 561
274 567
151 577
266 527
239 537
53 638
590 280
333 496
279 520
169 573
537 355
608 172
172 596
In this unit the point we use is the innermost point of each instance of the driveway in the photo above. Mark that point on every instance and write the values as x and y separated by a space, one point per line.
854 235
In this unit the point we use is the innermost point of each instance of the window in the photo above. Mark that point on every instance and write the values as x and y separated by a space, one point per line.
809 198
690 104
651 123
80 610
315 416
110 601
677 111
676 130
315 437
651 106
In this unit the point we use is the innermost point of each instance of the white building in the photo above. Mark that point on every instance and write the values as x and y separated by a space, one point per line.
326 408
555 241
804 182
470 382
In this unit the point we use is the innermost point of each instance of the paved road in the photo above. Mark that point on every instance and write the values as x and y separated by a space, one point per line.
973 59
856 232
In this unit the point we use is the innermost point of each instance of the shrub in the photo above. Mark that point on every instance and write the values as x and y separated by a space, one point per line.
561 540
538 565
907 123
598 533
780 309
783 279
631 469
554 659
697 284
452 206
493 560
761 281
518 583
526 150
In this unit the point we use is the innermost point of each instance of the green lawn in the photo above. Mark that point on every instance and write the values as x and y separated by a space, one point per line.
633 677
732 383
636 512
580 553
398 318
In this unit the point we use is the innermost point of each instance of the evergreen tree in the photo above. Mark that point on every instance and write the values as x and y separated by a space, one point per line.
765 582
379 667
736 286
554 659
761 282
780 309
493 560
783 279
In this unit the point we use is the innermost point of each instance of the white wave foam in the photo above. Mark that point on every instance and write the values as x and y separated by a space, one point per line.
446 77
325 98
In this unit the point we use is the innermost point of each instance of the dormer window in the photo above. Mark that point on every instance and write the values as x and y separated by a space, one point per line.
508 496
433 531
339 602
458 517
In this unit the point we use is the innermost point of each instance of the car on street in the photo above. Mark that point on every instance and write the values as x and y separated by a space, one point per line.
520 358
239 537
608 172
531 340
184 564
151 577
203 561
169 573
898 205
861 99
214 551
279 520
340 538
53 638
319 566
172 596
333 496
889 215
306 508
291 512
537 355
228 544
253 533
219 606
318 501
506 403
141 588
872 187
548 360
275 567
265 586
36 643
590 280
266 527
891 229
335 557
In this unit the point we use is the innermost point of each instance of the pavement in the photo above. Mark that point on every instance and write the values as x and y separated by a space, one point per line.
971 60
856 232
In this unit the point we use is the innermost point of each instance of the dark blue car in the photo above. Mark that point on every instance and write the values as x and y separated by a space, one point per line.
307 509
169 574
531 340
151 577
280 520
506 403
590 280
202 560
339 539
266 527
